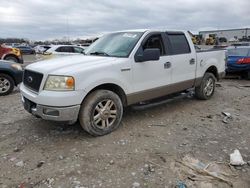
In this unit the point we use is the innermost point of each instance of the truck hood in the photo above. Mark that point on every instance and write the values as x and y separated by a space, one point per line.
68 64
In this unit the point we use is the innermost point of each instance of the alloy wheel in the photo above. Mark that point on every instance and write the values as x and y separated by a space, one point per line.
4 85
105 114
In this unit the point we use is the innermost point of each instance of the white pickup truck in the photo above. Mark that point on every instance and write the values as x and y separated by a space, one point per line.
118 70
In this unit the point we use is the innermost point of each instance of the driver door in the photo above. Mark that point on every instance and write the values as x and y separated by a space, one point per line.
151 78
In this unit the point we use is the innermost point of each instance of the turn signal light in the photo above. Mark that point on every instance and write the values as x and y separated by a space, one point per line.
70 82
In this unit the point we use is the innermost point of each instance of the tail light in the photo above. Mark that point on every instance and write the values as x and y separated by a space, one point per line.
244 61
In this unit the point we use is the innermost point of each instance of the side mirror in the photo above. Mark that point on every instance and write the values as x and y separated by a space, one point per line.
149 54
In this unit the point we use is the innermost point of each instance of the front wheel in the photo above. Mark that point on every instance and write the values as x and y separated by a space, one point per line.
101 112
206 89
6 84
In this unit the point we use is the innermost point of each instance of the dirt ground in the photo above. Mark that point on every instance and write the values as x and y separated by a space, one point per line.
142 153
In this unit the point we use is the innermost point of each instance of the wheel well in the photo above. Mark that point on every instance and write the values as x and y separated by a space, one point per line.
11 55
214 71
9 74
116 89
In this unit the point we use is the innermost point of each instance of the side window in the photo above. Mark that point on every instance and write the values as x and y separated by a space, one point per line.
179 44
70 49
155 41
58 49
67 49
78 50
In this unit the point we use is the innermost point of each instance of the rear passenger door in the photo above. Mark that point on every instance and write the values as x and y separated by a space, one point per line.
183 60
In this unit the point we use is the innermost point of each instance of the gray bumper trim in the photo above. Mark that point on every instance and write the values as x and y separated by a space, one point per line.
69 114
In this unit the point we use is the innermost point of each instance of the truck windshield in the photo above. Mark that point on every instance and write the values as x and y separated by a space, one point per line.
115 44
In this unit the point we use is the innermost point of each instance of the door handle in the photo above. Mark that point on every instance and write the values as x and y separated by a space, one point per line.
192 61
126 69
167 65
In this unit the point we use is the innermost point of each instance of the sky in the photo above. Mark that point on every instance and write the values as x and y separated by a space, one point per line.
54 19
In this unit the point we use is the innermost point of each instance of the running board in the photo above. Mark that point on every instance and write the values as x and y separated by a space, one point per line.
163 100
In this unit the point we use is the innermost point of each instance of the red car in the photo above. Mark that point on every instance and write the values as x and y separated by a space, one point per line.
11 54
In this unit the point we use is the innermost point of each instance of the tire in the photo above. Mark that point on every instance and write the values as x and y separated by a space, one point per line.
205 91
107 118
11 58
6 84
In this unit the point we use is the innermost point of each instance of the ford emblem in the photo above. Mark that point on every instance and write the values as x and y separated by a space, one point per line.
30 79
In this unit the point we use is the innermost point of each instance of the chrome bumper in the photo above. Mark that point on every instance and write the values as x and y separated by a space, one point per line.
64 114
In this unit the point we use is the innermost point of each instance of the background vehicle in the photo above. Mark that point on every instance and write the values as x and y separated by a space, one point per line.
64 50
26 50
118 70
10 76
41 48
222 40
197 39
241 44
245 39
84 46
10 54
211 40
238 60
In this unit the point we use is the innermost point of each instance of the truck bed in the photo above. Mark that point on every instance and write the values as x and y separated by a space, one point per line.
208 58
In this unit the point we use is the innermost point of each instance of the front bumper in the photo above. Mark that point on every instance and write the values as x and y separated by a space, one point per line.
53 98
63 114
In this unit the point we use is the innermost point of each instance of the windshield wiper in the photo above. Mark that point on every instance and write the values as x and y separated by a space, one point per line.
99 53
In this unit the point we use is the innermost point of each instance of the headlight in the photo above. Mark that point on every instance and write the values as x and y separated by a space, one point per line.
60 83
16 66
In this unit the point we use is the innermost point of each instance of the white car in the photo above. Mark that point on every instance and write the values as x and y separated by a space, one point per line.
41 48
64 50
118 70
84 46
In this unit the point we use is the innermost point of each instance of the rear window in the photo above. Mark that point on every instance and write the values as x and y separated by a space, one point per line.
238 52
179 44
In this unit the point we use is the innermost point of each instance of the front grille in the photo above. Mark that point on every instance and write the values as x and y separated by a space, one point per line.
32 80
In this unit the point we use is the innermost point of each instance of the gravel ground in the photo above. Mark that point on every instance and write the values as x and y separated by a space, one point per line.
141 153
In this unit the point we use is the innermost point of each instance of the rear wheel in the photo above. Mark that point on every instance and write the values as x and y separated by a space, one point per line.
12 58
206 89
6 84
101 112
